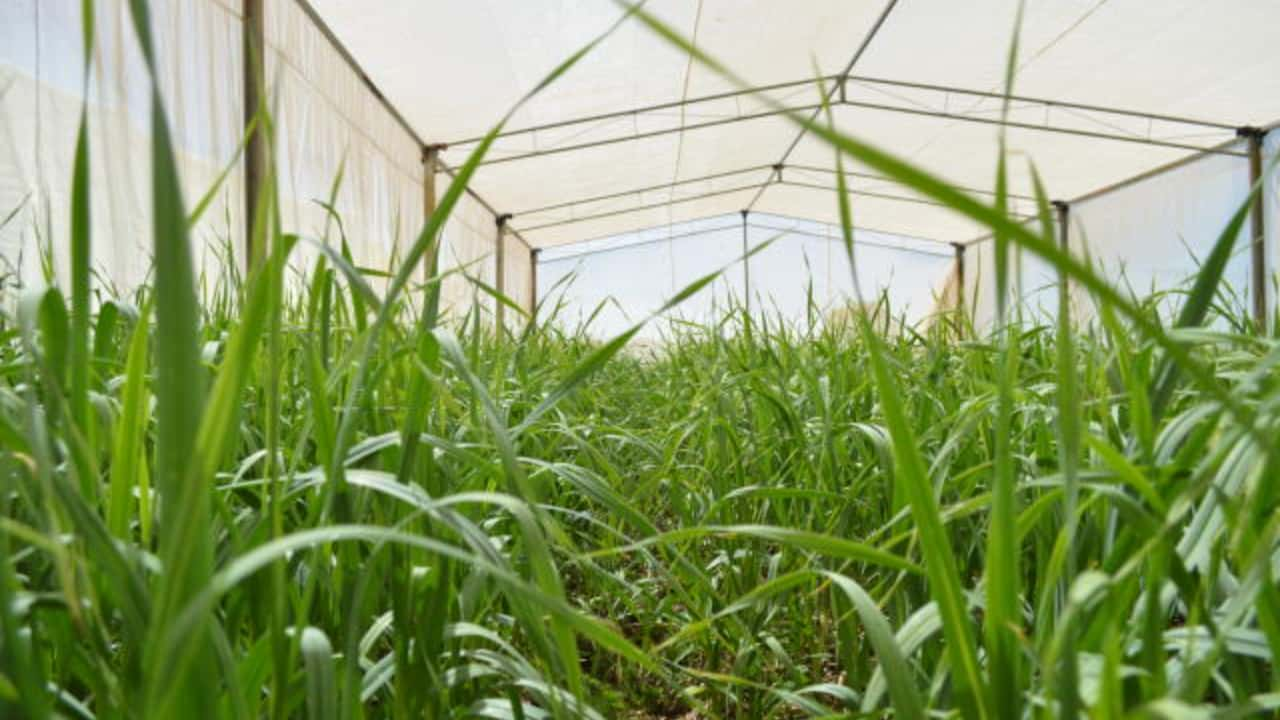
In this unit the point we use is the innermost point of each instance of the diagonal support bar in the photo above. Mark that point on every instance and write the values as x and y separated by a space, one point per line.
838 88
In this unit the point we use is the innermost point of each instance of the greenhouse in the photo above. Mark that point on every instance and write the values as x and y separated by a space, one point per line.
662 359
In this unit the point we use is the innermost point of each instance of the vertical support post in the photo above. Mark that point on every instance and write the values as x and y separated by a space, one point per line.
960 298
746 264
533 282
500 272
1063 212
430 166
255 151
1258 237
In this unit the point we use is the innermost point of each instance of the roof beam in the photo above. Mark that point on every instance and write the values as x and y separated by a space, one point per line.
735 225
773 177
863 243
1096 134
851 80
875 195
633 136
642 190
641 208
840 82
882 178
647 109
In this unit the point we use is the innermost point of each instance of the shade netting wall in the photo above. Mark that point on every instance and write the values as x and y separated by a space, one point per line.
799 274
518 271
467 251
42 86
347 169
1148 236
337 147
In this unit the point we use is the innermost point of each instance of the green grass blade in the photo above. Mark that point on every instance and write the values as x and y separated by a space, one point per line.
322 685
129 452
897 674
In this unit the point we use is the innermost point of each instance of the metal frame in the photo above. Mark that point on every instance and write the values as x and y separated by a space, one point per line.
533 284
775 177
839 83
430 163
253 47
500 270
1062 212
637 243
746 262
641 190
837 94
757 226
642 208
1258 236
876 195
860 243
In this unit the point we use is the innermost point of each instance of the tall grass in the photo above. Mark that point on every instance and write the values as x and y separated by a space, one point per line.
320 501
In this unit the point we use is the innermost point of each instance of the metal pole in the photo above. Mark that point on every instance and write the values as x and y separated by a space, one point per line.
1063 209
959 248
746 264
430 166
1257 245
533 281
255 151
500 272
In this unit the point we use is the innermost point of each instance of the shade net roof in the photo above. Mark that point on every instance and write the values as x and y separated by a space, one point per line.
638 134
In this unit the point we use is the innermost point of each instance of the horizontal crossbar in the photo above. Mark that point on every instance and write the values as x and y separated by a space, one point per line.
587 123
